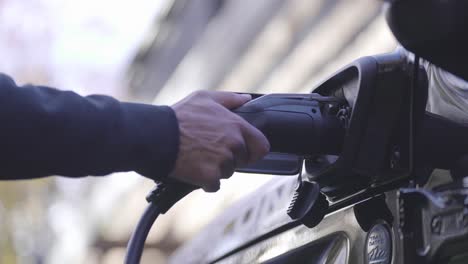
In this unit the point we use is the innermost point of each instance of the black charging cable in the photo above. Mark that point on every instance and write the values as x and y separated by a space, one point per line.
160 199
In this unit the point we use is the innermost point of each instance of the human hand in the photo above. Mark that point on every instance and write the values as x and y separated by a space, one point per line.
213 140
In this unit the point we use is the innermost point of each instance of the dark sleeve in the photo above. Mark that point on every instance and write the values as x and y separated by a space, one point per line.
44 131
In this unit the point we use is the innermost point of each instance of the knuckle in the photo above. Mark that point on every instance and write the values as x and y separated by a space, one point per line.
200 93
237 126
235 142
226 156
239 122
206 182
241 153
226 164
258 152
227 161
211 174
204 176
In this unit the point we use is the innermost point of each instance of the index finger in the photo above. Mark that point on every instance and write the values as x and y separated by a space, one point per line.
230 100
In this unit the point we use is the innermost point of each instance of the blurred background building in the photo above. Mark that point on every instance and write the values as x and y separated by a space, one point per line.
159 51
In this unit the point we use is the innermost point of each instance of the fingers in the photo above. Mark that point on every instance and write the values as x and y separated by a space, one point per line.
257 144
241 155
212 187
253 149
228 166
230 100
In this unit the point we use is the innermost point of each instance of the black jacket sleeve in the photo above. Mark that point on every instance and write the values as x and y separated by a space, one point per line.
44 131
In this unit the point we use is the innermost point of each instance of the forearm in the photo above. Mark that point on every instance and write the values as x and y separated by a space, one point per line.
45 132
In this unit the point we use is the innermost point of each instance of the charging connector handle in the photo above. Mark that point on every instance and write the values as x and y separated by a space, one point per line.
303 124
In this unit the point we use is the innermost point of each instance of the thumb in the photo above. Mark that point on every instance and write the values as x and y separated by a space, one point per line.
230 100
